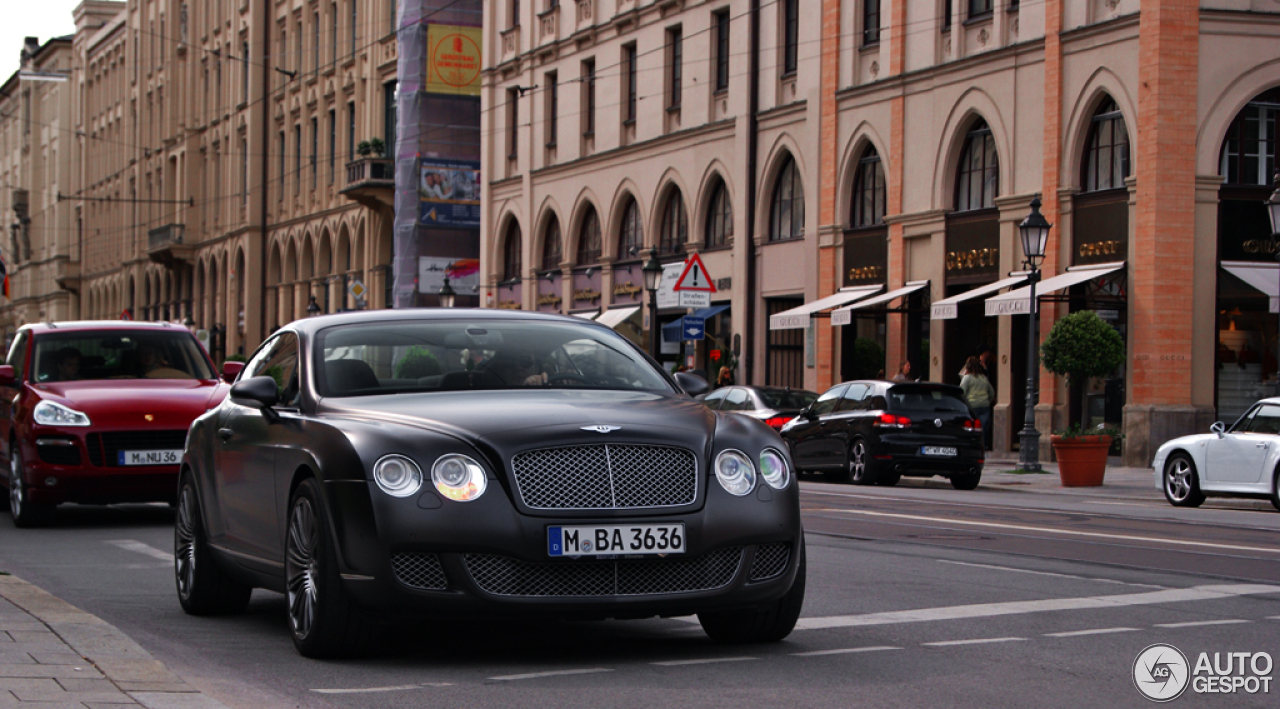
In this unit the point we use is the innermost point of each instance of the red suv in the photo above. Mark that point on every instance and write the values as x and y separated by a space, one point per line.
98 412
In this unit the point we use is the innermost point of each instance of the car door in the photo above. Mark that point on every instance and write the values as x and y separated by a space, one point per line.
246 457
1239 456
9 396
811 446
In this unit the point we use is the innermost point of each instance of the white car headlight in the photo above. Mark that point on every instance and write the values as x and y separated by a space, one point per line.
397 475
773 468
48 413
735 472
458 477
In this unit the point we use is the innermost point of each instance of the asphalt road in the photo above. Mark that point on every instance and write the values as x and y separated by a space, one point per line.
917 597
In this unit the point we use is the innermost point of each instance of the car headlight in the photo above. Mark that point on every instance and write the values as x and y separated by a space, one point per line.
458 477
773 468
735 472
48 413
397 475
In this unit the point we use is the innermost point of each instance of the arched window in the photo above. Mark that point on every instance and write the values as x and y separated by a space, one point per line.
674 231
631 235
1249 152
979 180
868 192
589 239
1107 162
511 265
720 216
551 253
786 217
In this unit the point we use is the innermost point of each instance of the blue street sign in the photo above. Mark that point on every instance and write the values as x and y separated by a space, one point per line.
693 327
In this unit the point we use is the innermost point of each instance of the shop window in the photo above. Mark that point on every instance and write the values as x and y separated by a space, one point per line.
551 251
589 239
978 182
631 234
868 192
786 220
675 226
1107 161
511 264
719 217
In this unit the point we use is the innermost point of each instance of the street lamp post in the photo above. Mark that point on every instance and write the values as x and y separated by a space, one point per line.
1273 211
652 276
447 296
1034 231
312 307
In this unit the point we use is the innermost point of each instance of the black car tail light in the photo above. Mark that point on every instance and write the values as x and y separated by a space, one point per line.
777 421
891 421
972 425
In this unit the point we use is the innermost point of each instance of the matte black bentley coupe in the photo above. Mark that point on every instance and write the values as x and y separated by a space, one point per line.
383 465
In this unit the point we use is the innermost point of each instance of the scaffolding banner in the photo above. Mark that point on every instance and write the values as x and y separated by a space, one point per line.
449 191
453 59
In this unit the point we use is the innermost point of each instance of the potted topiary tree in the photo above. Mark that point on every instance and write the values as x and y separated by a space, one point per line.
1081 346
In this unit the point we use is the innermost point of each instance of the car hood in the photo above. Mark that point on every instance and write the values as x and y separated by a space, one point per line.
175 401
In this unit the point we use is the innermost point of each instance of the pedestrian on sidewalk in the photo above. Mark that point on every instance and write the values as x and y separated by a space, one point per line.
904 372
978 393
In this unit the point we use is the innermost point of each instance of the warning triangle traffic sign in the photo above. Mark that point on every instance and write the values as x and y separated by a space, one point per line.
694 277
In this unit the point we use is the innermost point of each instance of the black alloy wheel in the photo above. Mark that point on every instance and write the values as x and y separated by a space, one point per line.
966 481
860 470
766 625
1181 483
25 513
203 587
888 478
321 616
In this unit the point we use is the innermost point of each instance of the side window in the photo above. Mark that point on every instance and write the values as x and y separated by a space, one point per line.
1266 420
853 396
18 355
736 400
283 367
714 399
254 367
1242 424
827 402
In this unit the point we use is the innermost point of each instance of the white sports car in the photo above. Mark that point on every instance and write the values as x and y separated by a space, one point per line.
1243 461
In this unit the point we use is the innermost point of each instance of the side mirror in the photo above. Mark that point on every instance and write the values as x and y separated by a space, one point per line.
230 370
692 384
1219 428
807 414
7 377
255 392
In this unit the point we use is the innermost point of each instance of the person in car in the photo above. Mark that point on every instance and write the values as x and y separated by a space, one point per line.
68 364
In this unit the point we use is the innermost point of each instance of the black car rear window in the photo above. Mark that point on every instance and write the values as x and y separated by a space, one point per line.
934 399
783 399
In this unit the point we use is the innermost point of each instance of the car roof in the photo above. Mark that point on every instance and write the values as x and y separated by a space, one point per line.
312 325
100 325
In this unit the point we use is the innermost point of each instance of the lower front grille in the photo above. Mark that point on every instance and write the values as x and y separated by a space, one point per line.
58 454
504 576
771 560
422 571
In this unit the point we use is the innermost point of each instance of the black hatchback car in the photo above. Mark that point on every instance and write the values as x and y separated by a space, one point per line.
874 432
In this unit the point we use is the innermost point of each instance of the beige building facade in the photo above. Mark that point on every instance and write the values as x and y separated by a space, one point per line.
918 136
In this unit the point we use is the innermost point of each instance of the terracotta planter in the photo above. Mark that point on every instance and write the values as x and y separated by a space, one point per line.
1082 460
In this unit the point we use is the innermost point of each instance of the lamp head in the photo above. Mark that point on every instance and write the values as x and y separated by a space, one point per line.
447 295
1034 231
652 272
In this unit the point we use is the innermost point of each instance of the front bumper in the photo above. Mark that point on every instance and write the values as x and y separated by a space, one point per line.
903 454
71 465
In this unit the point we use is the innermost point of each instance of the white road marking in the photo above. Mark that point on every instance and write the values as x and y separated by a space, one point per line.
1095 631
1048 573
553 673
137 546
371 690
845 651
1052 530
703 661
988 610
1197 623
1273 617
975 641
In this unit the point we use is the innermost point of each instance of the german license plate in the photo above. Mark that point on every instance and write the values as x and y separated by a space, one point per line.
610 539
943 451
149 457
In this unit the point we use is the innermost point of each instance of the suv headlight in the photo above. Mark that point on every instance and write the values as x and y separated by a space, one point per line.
735 472
458 477
397 475
773 468
48 413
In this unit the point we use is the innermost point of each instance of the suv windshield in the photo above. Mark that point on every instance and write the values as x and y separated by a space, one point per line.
118 354
787 399
921 398
450 355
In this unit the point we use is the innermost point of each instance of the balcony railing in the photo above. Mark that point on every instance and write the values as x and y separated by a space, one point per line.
371 181
165 236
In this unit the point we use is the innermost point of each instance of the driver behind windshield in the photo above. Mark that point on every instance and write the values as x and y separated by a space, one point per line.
517 369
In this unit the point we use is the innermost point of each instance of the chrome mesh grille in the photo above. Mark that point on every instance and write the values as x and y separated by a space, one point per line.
771 560
504 576
417 570
607 476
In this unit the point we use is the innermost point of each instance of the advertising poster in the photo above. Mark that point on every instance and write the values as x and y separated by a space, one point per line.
453 60
449 191
463 273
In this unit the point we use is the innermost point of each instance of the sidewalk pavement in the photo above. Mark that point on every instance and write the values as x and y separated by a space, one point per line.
54 655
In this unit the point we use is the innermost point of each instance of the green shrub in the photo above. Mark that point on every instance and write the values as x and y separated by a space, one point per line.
867 360
418 362
236 357
1081 346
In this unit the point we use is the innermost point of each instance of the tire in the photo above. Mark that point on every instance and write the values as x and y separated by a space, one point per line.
321 617
888 479
766 625
25 513
1275 490
966 481
860 470
203 587
1182 482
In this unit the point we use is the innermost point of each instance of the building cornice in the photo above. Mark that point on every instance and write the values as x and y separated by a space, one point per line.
608 155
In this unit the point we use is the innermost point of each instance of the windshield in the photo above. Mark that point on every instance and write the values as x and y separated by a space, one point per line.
451 355
917 398
784 399
119 354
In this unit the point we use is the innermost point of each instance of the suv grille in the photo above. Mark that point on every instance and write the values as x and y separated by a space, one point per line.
104 448
504 576
419 571
771 560
604 477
